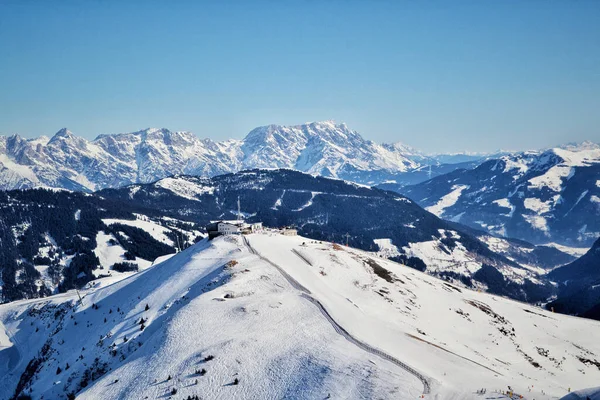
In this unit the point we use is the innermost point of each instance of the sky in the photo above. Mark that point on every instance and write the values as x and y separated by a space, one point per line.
442 76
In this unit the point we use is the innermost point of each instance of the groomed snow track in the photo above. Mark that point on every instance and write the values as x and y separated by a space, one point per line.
296 252
338 328
367 348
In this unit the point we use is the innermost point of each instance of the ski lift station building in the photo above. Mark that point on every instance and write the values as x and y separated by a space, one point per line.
218 228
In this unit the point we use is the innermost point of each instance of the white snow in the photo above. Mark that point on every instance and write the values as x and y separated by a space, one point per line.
457 217
23 171
579 157
239 315
418 303
432 252
581 196
537 222
184 188
495 244
278 202
552 179
386 248
109 254
448 200
156 230
506 204
517 163
574 251
540 207
84 181
308 203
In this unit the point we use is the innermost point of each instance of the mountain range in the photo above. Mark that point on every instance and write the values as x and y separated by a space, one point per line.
323 148
545 196
496 212
148 296
85 234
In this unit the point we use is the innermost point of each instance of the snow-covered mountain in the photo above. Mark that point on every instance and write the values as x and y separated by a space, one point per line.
70 162
214 322
549 196
366 218
85 235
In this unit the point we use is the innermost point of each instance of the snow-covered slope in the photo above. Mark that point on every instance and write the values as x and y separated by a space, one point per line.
339 211
550 196
214 322
324 148
85 235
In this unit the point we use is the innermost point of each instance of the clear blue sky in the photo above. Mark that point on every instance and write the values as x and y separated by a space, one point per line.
441 76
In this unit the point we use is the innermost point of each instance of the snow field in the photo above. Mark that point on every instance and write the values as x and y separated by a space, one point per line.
447 201
462 340
266 330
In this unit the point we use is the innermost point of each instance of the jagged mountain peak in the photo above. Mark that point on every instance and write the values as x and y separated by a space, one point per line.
66 136
63 132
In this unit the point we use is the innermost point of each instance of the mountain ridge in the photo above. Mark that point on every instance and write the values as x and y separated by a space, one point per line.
373 219
197 326
110 160
541 197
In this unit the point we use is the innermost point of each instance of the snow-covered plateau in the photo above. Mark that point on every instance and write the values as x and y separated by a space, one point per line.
270 317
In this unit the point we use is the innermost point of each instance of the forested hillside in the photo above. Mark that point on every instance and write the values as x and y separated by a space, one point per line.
48 240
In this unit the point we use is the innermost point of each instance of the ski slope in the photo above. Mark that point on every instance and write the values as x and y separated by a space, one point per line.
460 339
288 318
